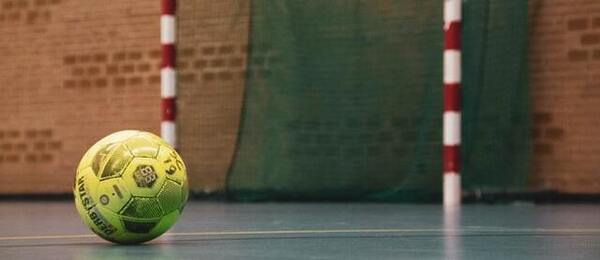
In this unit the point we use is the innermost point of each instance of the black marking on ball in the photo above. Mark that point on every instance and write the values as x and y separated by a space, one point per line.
145 176
104 199
117 190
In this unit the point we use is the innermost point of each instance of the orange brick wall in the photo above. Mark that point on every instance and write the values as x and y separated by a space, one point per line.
565 83
72 72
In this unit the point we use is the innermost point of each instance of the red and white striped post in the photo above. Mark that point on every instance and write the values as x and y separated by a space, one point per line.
168 85
452 106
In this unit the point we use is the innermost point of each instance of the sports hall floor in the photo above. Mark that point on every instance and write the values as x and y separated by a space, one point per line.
211 230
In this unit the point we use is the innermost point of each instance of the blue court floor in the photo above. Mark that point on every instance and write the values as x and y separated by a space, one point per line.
53 230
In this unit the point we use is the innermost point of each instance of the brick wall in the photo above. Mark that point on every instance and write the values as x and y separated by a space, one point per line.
565 83
71 73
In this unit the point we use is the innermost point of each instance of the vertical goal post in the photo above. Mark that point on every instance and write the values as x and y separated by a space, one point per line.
168 73
452 103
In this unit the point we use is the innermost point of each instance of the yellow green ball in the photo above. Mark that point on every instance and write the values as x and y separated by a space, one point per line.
130 187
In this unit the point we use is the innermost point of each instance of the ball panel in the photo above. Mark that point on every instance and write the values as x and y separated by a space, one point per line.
170 196
142 147
171 164
98 158
117 137
85 184
143 178
139 227
122 234
113 194
166 222
116 161
142 208
102 221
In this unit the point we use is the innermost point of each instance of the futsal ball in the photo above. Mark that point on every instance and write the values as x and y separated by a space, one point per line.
130 187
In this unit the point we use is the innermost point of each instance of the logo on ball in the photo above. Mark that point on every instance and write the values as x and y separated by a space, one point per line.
145 176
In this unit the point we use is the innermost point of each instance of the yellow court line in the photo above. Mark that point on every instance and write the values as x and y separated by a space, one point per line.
44 237
382 231
301 231
328 231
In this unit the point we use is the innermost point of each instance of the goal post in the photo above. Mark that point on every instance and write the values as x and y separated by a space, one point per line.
168 73
452 107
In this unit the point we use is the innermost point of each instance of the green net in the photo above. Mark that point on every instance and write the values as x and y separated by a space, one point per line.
496 118
344 100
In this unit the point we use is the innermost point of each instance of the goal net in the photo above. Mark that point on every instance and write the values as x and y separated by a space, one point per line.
342 100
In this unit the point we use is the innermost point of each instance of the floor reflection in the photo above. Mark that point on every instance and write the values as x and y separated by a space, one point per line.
118 252
452 233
